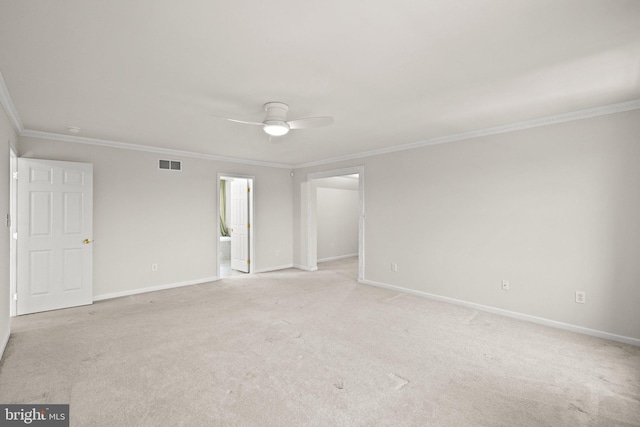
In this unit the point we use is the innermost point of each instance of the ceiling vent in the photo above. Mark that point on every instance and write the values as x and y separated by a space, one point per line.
170 165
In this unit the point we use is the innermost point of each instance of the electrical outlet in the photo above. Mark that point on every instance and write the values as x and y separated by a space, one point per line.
581 297
154 267
394 266
505 285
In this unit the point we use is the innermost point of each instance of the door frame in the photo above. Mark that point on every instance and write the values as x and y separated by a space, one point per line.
312 226
13 246
252 184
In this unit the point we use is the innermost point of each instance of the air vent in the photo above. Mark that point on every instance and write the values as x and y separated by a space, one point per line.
170 165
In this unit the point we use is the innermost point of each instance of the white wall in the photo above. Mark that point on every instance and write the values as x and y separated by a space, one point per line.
337 222
8 138
552 209
143 215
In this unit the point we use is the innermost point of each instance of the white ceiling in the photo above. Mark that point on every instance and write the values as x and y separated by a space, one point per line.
152 72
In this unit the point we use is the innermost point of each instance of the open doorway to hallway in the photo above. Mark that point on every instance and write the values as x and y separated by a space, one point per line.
235 218
335 217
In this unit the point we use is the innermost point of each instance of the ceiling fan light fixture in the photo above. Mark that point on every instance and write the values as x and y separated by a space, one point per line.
276 123
276 127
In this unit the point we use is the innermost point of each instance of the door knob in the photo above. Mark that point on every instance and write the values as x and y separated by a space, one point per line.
86 241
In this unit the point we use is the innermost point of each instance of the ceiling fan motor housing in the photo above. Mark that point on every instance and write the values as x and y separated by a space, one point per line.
276 112
275 123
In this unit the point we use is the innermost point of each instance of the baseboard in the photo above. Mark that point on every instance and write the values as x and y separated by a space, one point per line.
334 258
154 288
5 341
304 267
507 313
268 269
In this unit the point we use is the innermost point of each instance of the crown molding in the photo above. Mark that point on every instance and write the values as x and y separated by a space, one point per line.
528 124
29 133
7 103
9 107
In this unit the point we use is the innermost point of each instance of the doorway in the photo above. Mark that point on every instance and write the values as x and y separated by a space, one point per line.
235 219
335 217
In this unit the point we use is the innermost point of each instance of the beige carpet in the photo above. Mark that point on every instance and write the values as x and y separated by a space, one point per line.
294 348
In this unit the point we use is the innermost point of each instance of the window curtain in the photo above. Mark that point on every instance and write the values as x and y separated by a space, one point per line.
224 231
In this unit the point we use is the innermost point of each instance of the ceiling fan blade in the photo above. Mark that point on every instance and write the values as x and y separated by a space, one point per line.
238 121
310 122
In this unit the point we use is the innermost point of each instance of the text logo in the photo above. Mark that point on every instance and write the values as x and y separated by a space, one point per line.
34 415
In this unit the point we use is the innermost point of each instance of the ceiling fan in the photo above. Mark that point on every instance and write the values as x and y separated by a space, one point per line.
276 123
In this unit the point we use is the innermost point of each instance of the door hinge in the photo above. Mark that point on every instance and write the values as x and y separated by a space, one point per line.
15 175
248 225
15 296
248 261
8 220
248 190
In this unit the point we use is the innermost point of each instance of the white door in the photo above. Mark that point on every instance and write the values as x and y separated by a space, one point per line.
240 225
55 225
